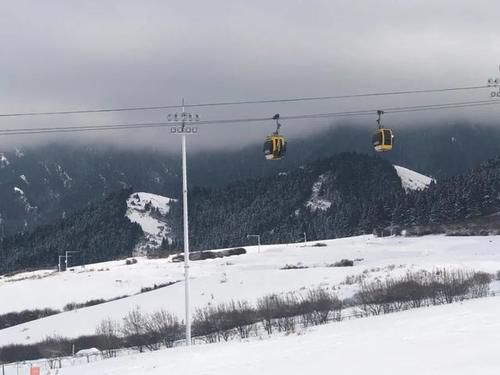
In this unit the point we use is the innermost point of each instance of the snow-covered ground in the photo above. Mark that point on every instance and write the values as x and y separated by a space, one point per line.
107 280
149 211
411 180
246 277
458 339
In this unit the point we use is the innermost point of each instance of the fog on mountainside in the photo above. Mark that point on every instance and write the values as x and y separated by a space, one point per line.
40 184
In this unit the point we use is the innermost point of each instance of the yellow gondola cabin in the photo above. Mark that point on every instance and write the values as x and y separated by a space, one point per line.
383 140
275 147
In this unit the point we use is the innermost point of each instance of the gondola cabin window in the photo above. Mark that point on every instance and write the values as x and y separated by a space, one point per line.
387 137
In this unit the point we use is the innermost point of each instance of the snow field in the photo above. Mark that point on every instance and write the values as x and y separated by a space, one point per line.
458 339
245 277
107 280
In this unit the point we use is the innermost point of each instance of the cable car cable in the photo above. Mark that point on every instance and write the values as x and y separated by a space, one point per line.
349 96
84 128
244 102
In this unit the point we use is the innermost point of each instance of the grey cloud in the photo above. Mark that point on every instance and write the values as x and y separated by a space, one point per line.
68 54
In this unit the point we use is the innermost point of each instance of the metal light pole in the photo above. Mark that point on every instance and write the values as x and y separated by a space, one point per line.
305 239
495 84
59 263
2 235
68 255
258 238
183 130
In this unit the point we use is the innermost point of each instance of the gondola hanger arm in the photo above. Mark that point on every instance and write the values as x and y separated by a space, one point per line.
379 113
278 125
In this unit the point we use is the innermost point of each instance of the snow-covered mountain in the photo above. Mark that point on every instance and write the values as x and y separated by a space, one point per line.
411 180
150 211
38 186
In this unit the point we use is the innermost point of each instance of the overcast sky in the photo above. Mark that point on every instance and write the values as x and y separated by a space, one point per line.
63 55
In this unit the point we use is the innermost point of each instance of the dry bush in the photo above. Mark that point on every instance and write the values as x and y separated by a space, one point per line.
278 312
319 306
415 290
134 329
163 327
109 330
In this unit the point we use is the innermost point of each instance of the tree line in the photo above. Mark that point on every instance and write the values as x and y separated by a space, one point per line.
97 233
364 193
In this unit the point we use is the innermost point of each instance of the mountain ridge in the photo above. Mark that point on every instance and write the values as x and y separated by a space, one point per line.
41 184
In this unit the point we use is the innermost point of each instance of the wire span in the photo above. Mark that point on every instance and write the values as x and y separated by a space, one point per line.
365 112
243 102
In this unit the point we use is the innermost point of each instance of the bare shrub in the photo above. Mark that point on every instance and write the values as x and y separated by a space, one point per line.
288 309
15 318
355 279
163 327
202 255
54 347
18 352
479 284
278 312
214 322
109 330
414 290
399 294
203 325
243 316
343 263
455 284
319 306
267 311
370 298
134 329
298 266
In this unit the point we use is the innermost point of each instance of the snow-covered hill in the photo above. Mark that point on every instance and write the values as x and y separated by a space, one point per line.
65 178
150 212
244 277
458 339
411 180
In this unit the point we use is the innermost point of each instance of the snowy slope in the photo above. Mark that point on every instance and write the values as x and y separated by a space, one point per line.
458 339
242 277
150 211
96 281
4 162
315 202
412 180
